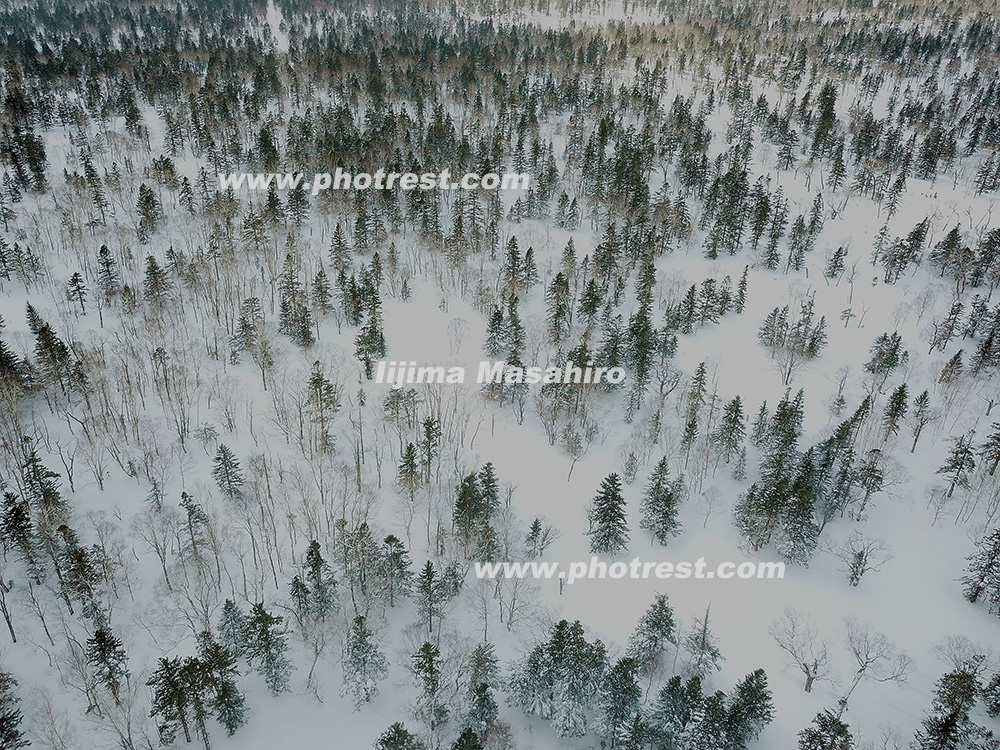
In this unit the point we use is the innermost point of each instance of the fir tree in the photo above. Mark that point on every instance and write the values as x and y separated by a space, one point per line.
106 654
618 701
467 740
266 648
750 709
364 664
396 737
227 473
732 430
426 668
989 451
655 630
482 708
171 702
948 724
233 628
608 525
660 503
150 213
76 291
702 646
395 572
11 736
430 595
218 666
961 462
827 732
676 709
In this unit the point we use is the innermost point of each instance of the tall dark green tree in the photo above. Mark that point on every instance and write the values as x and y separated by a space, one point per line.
608 524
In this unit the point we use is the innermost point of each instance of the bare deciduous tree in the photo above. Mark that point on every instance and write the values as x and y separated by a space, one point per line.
860 554
877 658
796 636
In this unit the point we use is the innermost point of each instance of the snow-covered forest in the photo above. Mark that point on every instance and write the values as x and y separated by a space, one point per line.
218 528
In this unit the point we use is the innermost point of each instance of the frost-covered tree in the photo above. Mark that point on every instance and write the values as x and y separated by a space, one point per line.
827 732
397 737
227 473
430 707
267 648
608 530
106 654
982 577
960 463
364 664
618 702
11 734
660 503
655 630
702 648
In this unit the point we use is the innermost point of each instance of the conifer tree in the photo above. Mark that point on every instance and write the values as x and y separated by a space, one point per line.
960 462
426 668
702 647
219 673
750 709
11 735
675 711
982 578
394 570
732 429
827 732
655 630
482 710
895 410
364 664
227 473
608 525
618 701
396 737
989 451
107 655
76 291
948 724
233 628
660 503
266 648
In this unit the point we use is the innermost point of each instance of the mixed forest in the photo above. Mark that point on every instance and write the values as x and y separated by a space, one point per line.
217 528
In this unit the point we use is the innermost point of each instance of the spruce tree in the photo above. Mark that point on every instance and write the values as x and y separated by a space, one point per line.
948 725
